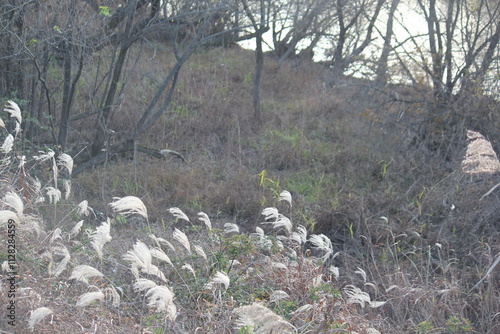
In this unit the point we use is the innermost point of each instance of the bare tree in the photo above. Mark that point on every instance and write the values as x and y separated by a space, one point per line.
260 25
382 64
355 23
298 26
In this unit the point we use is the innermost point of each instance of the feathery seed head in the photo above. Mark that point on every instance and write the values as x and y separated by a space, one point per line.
205 219
113 295
83 208
270 213
178 213
101 236
200 252
159 241
160 254
13 109
182 239
44 155
142 284
219 278
356 296
362 273
13 200
66 161
89 297
53 194
261 319
160 297
8 143
286 196
278 295
38 315
83 272
129 205
189 268
140 255
231 228
67 188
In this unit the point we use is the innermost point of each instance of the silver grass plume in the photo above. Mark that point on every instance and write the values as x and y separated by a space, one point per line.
89 297
44 156
278 295
205 219
286 196
15 112
259 231
280 221
65 161
76 229
67 188
357 296
300 235
142 284
59 251
6 216
322 243
53 194
38 315
8 143
113 296
200 252
160 241
178 213
139 255
182 239
129 205
83 208
231 228
56 236
160 297
219 279
189 268
160 254
100 237
270 213
262 320
362 273
13 200
480 156
83 272
2 124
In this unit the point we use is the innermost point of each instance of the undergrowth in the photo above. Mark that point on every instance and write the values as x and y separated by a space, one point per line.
382 234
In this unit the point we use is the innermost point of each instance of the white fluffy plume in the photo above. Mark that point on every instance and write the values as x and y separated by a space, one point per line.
15 112
129 205
101 236
8 143
83 272
182 238
38 315
89 297
261 319
65 161
178 213
219 279
285 196
205 219
13 200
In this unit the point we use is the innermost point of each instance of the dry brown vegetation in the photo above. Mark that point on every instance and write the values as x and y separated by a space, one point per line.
375 175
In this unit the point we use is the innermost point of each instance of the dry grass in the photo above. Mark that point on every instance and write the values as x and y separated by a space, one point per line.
407 226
